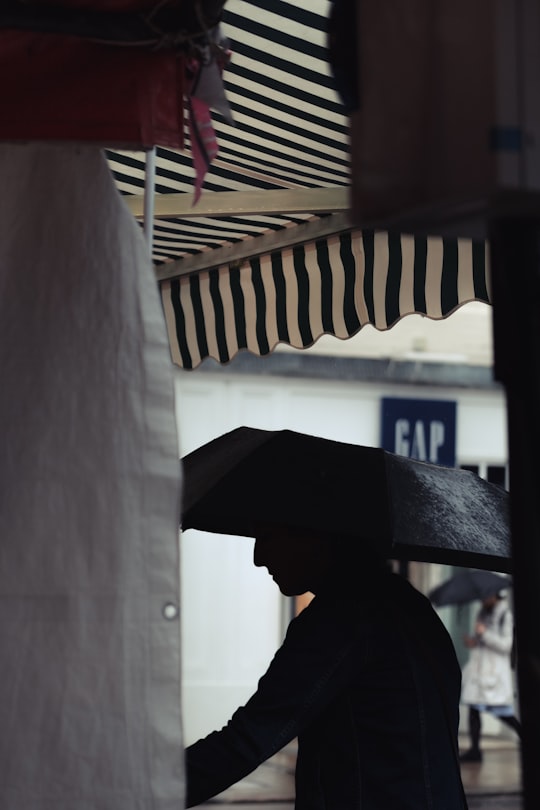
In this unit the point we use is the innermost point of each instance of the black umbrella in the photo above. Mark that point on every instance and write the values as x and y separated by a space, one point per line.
406 508
468 586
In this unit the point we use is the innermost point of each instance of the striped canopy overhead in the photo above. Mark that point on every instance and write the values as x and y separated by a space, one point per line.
332 286
268 254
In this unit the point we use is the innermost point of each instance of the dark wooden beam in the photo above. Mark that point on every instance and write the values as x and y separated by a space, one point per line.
515 261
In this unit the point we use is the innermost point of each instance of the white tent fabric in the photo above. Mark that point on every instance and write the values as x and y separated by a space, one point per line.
89 502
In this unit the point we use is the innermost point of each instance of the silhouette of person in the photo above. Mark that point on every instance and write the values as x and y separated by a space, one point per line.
487 675
366 678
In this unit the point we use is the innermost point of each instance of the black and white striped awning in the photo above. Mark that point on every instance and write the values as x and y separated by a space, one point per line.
225 285
290 132
332 286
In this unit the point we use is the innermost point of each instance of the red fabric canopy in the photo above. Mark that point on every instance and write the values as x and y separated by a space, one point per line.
70 88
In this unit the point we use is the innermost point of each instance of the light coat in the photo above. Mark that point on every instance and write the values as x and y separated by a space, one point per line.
487 676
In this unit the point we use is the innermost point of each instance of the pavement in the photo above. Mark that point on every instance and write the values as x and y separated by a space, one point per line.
493 784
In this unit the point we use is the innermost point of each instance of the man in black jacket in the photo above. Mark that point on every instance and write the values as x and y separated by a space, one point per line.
366 678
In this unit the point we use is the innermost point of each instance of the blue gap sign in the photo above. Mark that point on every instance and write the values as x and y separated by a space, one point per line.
423 429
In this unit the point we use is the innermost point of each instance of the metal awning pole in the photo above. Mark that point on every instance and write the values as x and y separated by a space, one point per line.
149 197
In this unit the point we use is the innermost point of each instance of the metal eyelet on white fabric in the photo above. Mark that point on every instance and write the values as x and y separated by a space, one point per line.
170 611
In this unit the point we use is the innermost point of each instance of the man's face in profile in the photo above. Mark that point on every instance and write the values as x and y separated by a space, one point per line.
298 560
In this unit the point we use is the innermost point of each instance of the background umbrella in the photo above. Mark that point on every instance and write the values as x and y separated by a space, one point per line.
467 586
406 509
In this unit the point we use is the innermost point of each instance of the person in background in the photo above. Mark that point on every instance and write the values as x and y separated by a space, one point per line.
487 676
367 679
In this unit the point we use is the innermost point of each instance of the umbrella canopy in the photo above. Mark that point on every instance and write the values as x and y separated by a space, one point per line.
468 586
406 509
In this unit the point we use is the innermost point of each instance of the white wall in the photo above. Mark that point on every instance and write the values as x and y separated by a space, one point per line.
232 612
465 337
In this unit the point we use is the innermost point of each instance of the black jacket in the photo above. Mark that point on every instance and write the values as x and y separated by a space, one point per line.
370 684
